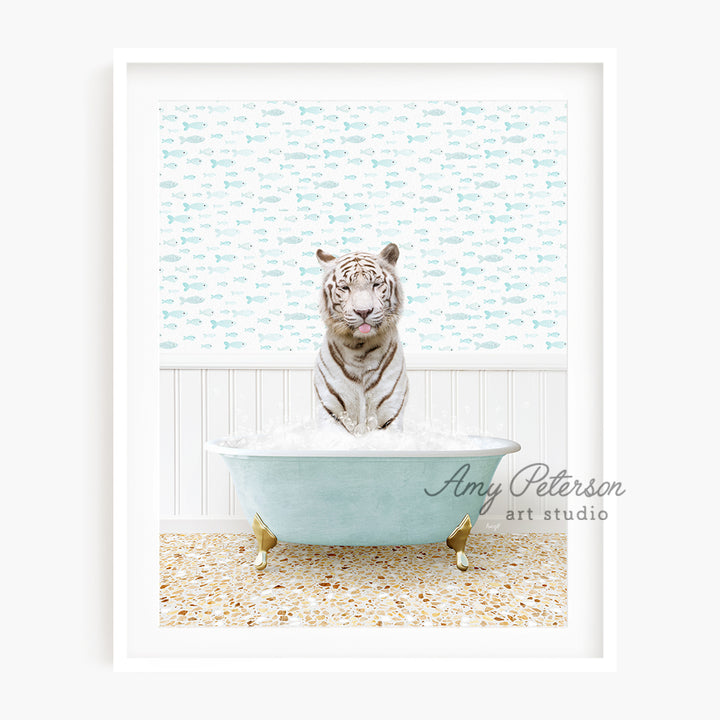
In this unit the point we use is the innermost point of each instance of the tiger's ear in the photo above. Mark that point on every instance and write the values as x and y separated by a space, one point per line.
390 253
324 258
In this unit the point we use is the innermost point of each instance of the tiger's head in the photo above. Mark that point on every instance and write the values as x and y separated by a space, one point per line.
361 295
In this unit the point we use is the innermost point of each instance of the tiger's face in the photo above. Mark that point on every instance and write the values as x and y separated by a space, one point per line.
361 295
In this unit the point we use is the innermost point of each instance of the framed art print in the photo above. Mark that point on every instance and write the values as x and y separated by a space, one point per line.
364 361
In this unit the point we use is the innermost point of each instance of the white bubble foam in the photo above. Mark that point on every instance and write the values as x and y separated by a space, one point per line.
308 436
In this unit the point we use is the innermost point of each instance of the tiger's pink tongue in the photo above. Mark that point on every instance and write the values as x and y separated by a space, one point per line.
364 328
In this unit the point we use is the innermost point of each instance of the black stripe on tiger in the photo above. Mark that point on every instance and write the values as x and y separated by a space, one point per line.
390 354
394 295
328 296
339 362
397 380
332 390
362 356
385 424
328 411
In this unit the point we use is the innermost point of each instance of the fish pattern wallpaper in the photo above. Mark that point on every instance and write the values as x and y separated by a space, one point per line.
473 192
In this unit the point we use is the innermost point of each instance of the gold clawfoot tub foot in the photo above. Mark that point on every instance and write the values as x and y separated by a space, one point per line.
265 540
456 541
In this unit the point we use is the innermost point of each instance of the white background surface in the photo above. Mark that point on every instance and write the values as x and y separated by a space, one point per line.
56 530
135 604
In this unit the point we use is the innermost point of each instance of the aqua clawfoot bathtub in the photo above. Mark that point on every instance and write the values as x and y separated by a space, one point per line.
380 497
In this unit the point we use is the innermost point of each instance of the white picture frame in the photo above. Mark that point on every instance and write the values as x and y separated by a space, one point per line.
587 79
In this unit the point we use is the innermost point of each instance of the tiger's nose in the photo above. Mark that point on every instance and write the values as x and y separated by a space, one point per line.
363 313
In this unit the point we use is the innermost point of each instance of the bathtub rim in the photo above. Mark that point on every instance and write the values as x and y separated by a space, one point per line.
506 448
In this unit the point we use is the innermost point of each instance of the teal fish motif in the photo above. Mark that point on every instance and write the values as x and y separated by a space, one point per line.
471 197
457 316
297 316
194 286
544 163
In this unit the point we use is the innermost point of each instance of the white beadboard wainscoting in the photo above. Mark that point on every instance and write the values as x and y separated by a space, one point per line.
199 404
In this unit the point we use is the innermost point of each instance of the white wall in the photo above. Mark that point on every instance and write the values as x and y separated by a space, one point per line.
57 368
196 494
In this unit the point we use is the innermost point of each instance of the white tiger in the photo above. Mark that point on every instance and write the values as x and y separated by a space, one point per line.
359 376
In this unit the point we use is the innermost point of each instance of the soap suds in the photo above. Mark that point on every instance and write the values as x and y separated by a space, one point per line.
308 436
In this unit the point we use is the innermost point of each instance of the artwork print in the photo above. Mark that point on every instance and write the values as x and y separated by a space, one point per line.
472 191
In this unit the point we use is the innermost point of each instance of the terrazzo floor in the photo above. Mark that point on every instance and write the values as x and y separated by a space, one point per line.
513 580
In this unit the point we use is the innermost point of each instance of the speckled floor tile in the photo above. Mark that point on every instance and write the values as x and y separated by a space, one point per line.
513 580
